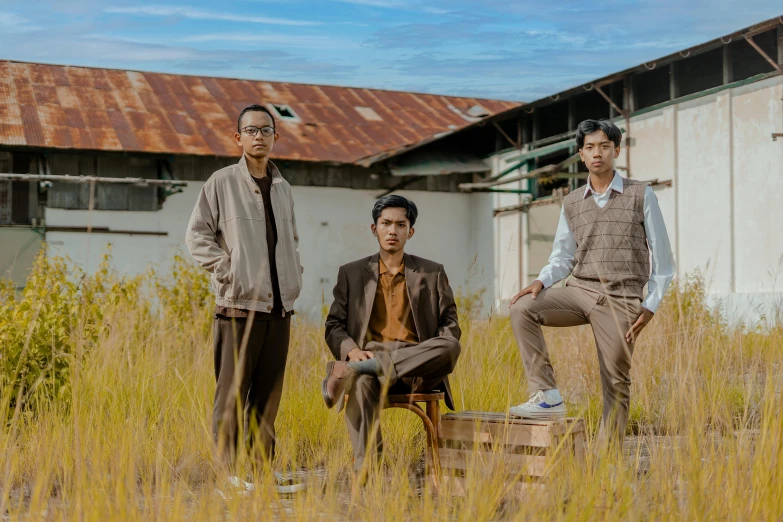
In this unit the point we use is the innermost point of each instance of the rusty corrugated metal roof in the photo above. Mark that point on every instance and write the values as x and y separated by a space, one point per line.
65 107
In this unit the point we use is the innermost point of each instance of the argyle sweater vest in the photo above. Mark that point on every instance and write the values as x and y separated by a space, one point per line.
612 255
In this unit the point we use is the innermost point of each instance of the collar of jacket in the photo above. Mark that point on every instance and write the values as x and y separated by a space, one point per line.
276 176
375 262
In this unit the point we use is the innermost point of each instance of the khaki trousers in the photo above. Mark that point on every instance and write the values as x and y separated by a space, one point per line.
610 318
249 384
408 368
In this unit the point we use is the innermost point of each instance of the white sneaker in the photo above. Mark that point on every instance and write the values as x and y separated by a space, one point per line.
288 484
237 483
540 406
234 485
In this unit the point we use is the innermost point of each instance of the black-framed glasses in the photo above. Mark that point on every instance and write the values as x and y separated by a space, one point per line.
252 130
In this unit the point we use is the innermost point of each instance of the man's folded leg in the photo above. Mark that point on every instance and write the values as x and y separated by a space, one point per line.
361 417
422 365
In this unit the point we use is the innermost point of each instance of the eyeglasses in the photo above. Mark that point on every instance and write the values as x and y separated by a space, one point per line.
251 130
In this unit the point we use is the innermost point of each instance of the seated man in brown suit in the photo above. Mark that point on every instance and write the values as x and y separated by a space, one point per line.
392 327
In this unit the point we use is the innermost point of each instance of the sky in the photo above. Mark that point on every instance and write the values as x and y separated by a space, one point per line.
505 49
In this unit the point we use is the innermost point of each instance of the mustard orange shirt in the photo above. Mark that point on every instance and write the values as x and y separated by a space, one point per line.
391 318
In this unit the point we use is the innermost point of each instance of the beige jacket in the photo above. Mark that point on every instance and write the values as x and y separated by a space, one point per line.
227 236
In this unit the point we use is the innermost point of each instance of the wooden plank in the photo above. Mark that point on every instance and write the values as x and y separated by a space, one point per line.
512 464
569 425
495 433
495 416
459 487
579 446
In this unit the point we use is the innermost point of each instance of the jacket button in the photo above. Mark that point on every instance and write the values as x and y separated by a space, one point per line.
268 307
258 191
270 295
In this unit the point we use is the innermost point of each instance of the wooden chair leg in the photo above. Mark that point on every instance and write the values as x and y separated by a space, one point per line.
432 434
433 413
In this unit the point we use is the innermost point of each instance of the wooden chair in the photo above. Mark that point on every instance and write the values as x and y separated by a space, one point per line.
429 415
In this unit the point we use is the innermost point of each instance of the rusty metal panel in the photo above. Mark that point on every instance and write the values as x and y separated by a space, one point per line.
142 198
111 197
68 196
33 132
68 107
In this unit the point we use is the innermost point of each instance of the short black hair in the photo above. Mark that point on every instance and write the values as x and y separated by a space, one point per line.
394 201
590 126
254 108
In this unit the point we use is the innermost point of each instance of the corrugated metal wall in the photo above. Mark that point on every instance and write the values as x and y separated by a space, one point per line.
198 168
107 196
308 174
5 190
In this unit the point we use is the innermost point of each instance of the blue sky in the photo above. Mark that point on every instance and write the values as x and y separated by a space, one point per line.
516 50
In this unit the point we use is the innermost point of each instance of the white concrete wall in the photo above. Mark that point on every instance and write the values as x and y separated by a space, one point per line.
334 228
724 210
509 232
21 245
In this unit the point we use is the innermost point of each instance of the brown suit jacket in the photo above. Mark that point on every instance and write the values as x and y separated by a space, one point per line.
432 304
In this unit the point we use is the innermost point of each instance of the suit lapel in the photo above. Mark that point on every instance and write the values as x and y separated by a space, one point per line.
370 283
413 284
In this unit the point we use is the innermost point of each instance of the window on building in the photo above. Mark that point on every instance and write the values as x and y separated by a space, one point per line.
284 112
699 73
747 62
107 196
18 199
652 87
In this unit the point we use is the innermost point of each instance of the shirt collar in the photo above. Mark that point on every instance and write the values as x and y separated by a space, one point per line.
382 269
616 185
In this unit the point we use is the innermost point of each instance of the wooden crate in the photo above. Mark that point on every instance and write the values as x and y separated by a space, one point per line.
526 450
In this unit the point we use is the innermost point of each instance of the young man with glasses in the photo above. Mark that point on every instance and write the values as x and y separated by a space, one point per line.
243 231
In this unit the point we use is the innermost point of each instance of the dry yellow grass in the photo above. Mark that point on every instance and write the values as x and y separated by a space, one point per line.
125 434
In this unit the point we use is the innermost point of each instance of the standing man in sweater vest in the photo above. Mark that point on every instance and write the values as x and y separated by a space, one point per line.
611 236
243 232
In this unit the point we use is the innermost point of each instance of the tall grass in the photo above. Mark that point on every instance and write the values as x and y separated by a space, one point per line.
107 386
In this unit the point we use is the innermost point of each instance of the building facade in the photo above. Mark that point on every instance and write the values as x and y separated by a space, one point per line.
127 125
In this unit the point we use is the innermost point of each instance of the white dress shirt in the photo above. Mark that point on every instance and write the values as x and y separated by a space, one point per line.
562 262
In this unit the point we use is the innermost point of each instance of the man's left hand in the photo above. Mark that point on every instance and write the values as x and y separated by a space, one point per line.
645 317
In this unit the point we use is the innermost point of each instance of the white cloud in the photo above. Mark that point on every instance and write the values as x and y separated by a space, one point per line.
199 14
404 5
287 40
662 44
557 36
388 4
13 23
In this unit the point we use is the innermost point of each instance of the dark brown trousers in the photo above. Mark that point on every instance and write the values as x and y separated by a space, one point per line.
407 368
249 377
